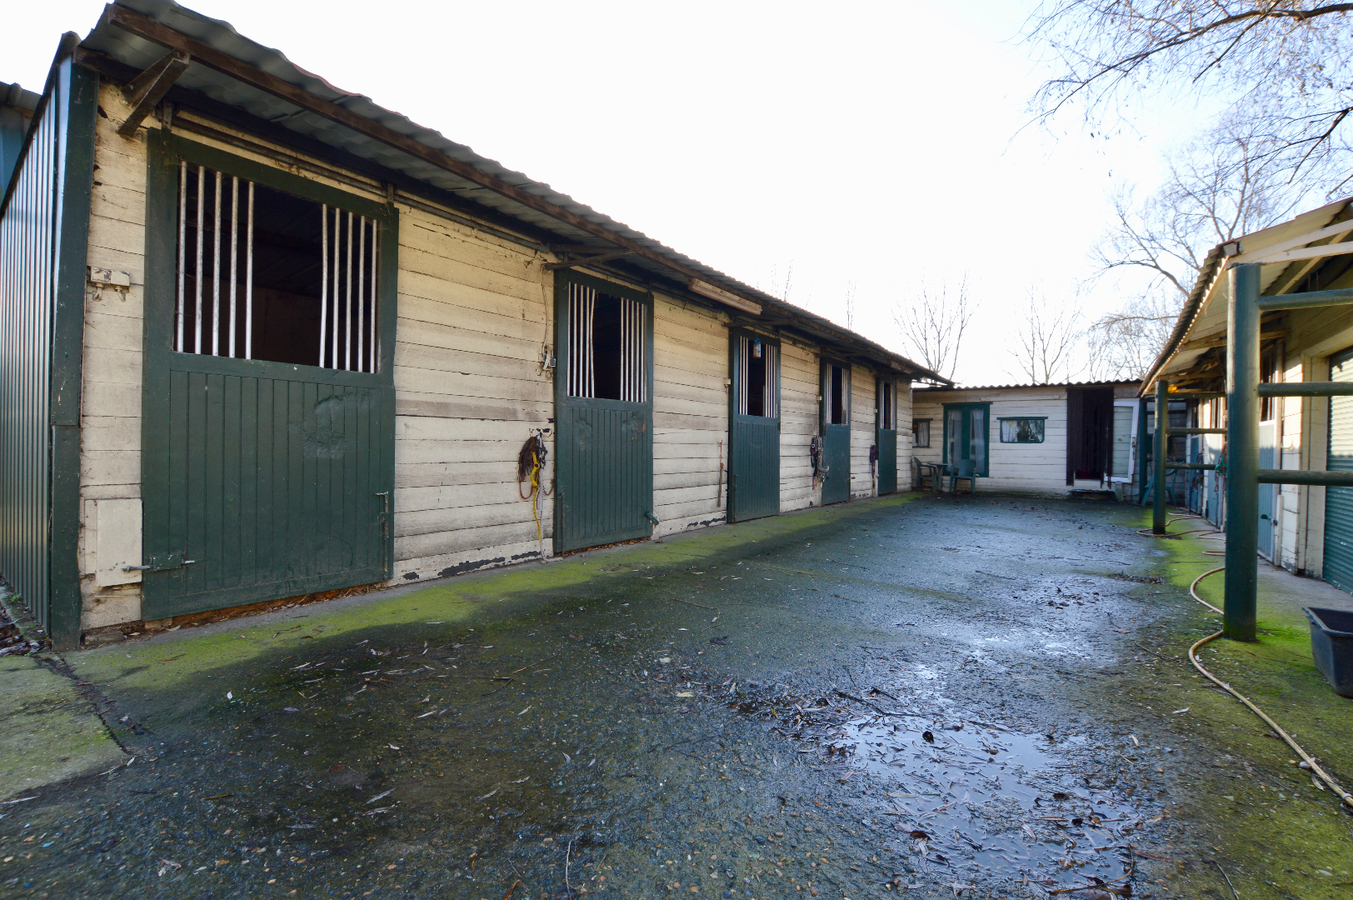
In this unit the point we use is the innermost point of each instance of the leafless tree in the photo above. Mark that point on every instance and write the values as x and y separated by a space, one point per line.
934 323
1286 64
1046 339
1222 186
850 304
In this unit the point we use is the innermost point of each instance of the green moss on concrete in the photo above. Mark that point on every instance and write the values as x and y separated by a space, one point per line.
1267 824
48 733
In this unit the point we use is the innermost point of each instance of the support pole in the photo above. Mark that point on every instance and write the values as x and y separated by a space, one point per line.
1158 460
1242 454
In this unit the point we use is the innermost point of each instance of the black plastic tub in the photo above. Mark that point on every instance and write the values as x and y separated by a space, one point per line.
1332 646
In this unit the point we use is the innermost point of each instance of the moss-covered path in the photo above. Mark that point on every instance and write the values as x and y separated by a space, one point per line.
974 697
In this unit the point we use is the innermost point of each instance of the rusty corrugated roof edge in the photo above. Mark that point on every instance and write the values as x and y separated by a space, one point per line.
1112 382
223 37
1207 275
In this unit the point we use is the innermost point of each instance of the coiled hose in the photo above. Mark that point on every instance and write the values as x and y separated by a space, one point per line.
1338 789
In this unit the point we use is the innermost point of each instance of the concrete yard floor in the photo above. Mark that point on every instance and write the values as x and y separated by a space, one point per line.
935 696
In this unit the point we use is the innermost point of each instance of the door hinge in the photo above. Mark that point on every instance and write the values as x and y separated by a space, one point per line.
164 562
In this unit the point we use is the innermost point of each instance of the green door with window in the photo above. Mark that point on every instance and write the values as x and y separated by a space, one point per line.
754 427
886 439
967 437
604 413
836 430
268 427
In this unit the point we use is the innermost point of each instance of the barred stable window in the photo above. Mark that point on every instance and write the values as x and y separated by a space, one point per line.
888 406
606 359
1022 431
759 384
920 432
837 401
263 274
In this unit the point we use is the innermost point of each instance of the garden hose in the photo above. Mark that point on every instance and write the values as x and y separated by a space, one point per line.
1342 794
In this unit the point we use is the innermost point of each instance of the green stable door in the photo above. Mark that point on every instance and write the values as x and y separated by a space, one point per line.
604 412
836 431
754 430
886 438
268 428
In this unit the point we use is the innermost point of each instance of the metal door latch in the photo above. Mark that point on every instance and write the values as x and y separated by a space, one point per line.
163 563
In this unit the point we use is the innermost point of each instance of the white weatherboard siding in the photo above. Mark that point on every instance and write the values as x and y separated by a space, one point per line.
1027 468
468 392
800 416
110 391
690 415
862 433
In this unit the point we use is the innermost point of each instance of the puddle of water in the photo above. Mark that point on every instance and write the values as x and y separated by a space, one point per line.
990 799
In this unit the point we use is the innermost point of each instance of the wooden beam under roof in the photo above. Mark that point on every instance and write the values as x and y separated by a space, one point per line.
147 89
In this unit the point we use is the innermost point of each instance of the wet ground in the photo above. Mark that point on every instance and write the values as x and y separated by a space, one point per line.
940 697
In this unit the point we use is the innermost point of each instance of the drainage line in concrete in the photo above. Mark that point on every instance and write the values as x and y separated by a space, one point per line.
1343 795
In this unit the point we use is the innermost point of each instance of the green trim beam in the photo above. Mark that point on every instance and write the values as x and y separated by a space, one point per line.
1307 389
1306 477
79 113
1308 300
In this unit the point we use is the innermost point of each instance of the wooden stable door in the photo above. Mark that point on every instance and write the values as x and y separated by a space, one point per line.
604 412
754 428
268 427
836 431
886 436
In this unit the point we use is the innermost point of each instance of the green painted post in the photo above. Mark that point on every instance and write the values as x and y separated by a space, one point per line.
1160 445
1242 454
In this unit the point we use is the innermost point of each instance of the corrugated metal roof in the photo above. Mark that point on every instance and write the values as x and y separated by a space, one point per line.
140 53
1203 319
1024 387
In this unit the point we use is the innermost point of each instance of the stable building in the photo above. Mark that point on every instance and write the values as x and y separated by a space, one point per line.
261 338
1047 439
1298 349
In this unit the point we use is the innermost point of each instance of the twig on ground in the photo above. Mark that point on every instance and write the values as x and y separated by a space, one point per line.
1228 879
690 603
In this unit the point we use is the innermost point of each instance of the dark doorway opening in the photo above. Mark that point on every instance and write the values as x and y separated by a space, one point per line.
1089 433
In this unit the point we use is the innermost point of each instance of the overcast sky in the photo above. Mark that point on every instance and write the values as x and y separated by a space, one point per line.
879 146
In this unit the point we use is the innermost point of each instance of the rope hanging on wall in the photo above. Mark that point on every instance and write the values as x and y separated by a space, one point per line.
530 461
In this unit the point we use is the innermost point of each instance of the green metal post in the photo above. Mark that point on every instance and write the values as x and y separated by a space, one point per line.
1242 454
1161 443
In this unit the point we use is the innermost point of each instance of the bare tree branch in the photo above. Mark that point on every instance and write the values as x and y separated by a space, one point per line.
1288 64
1046 339
934 323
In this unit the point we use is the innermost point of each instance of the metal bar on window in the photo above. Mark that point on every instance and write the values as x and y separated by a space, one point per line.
375 295
323 278
347 318
338 225
249 281
361 291
234 254
197 287
183 227
216 269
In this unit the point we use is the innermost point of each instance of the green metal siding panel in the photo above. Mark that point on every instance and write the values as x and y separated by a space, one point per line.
43 236
1339 501
274 478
